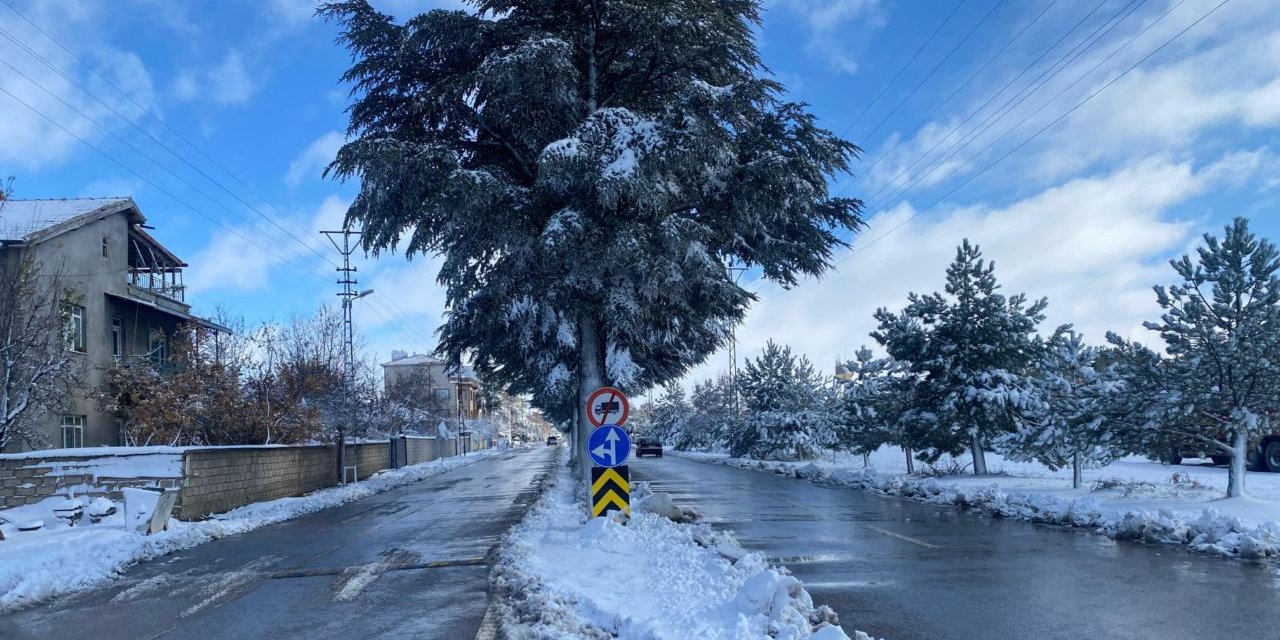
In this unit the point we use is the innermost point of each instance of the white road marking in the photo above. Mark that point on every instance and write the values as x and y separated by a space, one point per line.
361 578
901 537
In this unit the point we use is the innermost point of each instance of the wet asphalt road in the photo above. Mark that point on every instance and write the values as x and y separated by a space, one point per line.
355 571
911 571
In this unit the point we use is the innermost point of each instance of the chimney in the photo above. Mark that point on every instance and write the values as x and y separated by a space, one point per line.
398 355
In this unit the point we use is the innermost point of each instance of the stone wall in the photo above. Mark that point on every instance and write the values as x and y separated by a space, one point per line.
31 477
211 479
219 479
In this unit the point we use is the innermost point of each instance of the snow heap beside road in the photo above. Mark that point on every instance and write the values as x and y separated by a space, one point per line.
58 559
561 575
1131 499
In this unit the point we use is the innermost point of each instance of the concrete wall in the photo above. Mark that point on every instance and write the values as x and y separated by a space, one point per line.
419 450
219 479
369 457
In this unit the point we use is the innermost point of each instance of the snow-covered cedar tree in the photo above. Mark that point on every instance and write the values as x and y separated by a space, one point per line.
713 416
586 170
871 404
1067 422
787 410
971 350
1219 383
37 371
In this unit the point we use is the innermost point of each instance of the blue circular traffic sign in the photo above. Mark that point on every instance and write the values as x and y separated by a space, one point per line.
609 445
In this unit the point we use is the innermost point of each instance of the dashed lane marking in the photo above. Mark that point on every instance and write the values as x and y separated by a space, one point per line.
901 537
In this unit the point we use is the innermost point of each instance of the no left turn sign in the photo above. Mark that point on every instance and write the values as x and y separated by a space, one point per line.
607 405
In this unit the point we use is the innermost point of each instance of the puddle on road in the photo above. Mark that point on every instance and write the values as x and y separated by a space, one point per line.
812 559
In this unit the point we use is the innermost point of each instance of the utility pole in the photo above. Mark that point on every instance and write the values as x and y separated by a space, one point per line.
347 292
733 349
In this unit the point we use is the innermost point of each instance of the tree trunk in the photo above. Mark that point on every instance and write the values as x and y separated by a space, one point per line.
979 456
1239 451
590 378
1076 479
911 463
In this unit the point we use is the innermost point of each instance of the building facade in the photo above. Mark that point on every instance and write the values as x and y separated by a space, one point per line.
428 382
128 291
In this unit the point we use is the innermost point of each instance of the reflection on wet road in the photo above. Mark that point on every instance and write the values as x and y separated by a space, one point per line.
912 571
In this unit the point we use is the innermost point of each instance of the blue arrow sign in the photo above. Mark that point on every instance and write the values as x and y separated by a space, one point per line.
609 445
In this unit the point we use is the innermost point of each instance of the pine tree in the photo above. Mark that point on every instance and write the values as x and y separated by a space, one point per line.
787 411
669 415
586 170
1221 327
872 403
1068 422
970 350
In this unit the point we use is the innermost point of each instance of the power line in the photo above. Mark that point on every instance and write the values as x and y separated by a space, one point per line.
903 68
1039 132
934 70
34 54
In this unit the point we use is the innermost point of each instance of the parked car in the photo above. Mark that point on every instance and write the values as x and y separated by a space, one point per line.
552 441
1263 454
647 447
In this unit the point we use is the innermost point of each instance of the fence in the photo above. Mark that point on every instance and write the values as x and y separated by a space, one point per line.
210 479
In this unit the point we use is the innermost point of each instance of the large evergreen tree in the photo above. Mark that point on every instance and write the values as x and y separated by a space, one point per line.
971 350
586 168
1219 384
872 405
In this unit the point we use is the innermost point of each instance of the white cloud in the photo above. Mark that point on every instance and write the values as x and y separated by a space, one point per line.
226 83
828 22
31 141
231 263
312 161
1094 246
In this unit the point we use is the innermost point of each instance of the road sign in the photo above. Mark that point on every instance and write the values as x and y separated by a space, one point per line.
609 446
610 490
607 405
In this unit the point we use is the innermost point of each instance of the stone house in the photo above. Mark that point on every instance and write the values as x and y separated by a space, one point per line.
131 298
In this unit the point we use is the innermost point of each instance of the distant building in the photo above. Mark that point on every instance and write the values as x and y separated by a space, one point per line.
130 290
427 381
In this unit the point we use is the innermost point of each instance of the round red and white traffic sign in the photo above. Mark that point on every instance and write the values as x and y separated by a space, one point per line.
607 405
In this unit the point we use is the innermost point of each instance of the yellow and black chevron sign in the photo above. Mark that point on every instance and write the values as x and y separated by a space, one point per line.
610 490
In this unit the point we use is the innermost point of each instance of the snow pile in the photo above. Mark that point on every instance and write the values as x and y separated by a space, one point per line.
1149 511
561 575
60 559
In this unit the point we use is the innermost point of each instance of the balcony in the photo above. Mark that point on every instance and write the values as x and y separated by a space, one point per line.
164 282
153 268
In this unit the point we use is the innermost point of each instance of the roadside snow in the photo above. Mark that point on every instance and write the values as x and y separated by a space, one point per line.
1131 499
60 559
561 575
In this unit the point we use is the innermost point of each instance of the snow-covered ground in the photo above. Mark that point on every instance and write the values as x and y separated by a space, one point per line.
59 559
1133 498
561 575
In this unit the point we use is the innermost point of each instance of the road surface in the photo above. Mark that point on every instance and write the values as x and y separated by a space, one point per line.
906 570
408 563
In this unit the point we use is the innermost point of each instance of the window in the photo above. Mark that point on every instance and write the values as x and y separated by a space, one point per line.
75 327
105 244
117 337
159 347
440 394
72 432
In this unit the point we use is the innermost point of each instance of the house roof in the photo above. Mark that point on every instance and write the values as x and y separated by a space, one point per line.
20 220
416 359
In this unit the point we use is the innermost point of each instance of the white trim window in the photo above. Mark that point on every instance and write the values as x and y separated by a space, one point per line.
72 432
75 328
117 337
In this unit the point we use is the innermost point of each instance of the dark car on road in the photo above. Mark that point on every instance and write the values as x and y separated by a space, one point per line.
552 441
648 447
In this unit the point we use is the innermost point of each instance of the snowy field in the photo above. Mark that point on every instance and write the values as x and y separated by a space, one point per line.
1133 498
60 559
562 575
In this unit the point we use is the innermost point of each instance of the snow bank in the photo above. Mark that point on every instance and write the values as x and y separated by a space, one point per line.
1153 503
561 575
59 559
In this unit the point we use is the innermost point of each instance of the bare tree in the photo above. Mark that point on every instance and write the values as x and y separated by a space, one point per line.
37 372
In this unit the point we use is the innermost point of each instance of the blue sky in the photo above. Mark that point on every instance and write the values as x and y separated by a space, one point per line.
1085 212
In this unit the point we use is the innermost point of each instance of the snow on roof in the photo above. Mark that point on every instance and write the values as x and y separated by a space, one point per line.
19 219
417 358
